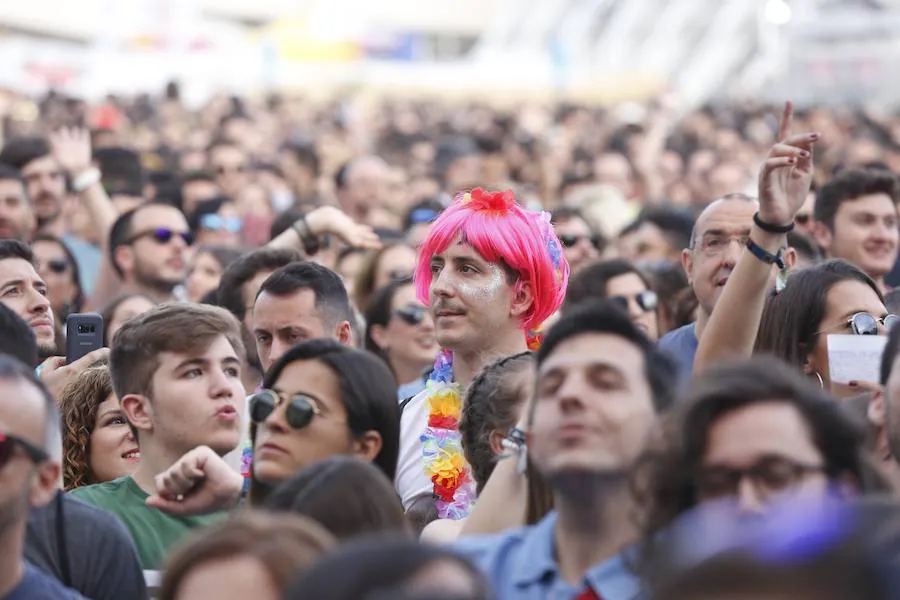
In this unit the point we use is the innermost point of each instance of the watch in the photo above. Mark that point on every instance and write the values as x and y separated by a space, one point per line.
307 238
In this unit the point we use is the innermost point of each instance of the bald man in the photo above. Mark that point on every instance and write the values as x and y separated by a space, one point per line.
720 235
362 185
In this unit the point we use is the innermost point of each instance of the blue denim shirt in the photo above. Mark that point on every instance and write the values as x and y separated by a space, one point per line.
521 564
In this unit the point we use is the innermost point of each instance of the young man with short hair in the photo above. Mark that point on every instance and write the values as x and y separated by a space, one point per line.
856 219
177 372
300 302
600 385
490 271
149 249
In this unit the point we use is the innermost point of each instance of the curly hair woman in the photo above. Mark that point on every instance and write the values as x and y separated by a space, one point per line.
98 444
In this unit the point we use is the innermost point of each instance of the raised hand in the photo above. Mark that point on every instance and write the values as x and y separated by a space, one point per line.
328 219
56 374
786 175
71 147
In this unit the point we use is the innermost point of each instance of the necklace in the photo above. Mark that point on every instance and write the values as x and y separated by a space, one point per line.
442 452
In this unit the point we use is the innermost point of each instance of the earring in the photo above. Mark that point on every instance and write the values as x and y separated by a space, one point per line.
821 382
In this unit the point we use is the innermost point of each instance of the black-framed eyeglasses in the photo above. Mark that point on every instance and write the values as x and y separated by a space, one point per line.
163 235
770 476
412 314
8 444
57 265
570 240
863 323
647 300
301 408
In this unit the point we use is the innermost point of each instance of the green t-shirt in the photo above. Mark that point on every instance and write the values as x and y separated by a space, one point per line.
154 532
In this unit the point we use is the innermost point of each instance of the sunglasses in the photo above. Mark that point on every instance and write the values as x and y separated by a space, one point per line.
411 314
400 275
58 266
163 235
801 219
8 445
214 222
866 324
299 413
568 241
647 300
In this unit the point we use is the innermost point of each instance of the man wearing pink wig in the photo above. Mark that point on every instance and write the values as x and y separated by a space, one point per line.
490 273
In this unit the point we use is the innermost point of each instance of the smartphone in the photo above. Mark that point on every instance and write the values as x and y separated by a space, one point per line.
84 334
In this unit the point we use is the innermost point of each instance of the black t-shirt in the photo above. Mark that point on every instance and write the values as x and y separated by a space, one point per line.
36 585
97 557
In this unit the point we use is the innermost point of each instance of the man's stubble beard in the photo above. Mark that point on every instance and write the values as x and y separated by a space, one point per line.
146 278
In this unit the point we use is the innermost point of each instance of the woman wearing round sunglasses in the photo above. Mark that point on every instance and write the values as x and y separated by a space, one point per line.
400 330
834 298
621 282
322 399
57 267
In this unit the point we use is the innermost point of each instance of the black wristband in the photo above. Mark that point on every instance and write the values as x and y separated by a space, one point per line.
772 228
310 242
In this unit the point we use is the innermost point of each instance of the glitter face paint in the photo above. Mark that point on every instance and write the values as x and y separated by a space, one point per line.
483 291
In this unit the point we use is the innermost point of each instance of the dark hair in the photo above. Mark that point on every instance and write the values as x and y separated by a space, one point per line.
282 544
492 403
375 565
368 272
848 185
305 155
665 484
224 255
18 152
606 317
368 392
206 207
379 313
179 327
332 301
425 211
122 231
245 268
78 301
17 339
676 224
792 319
122 171
109 311
348 496
15 249
804 246
9 172
589 282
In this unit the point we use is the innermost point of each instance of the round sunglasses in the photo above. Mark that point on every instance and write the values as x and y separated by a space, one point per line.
300 410
647 300
58 266
569 241
863 323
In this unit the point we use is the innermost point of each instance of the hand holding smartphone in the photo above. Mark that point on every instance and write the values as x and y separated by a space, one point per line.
84 334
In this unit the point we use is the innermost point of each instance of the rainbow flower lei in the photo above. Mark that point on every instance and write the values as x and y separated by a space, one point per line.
442 452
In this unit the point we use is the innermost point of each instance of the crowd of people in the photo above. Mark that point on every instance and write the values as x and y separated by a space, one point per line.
408 349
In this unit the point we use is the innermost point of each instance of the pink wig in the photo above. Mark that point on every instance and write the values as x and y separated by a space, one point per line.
501 231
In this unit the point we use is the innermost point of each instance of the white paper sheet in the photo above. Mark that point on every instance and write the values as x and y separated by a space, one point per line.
855 357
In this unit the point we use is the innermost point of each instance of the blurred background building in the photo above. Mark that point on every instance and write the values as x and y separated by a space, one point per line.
816 51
